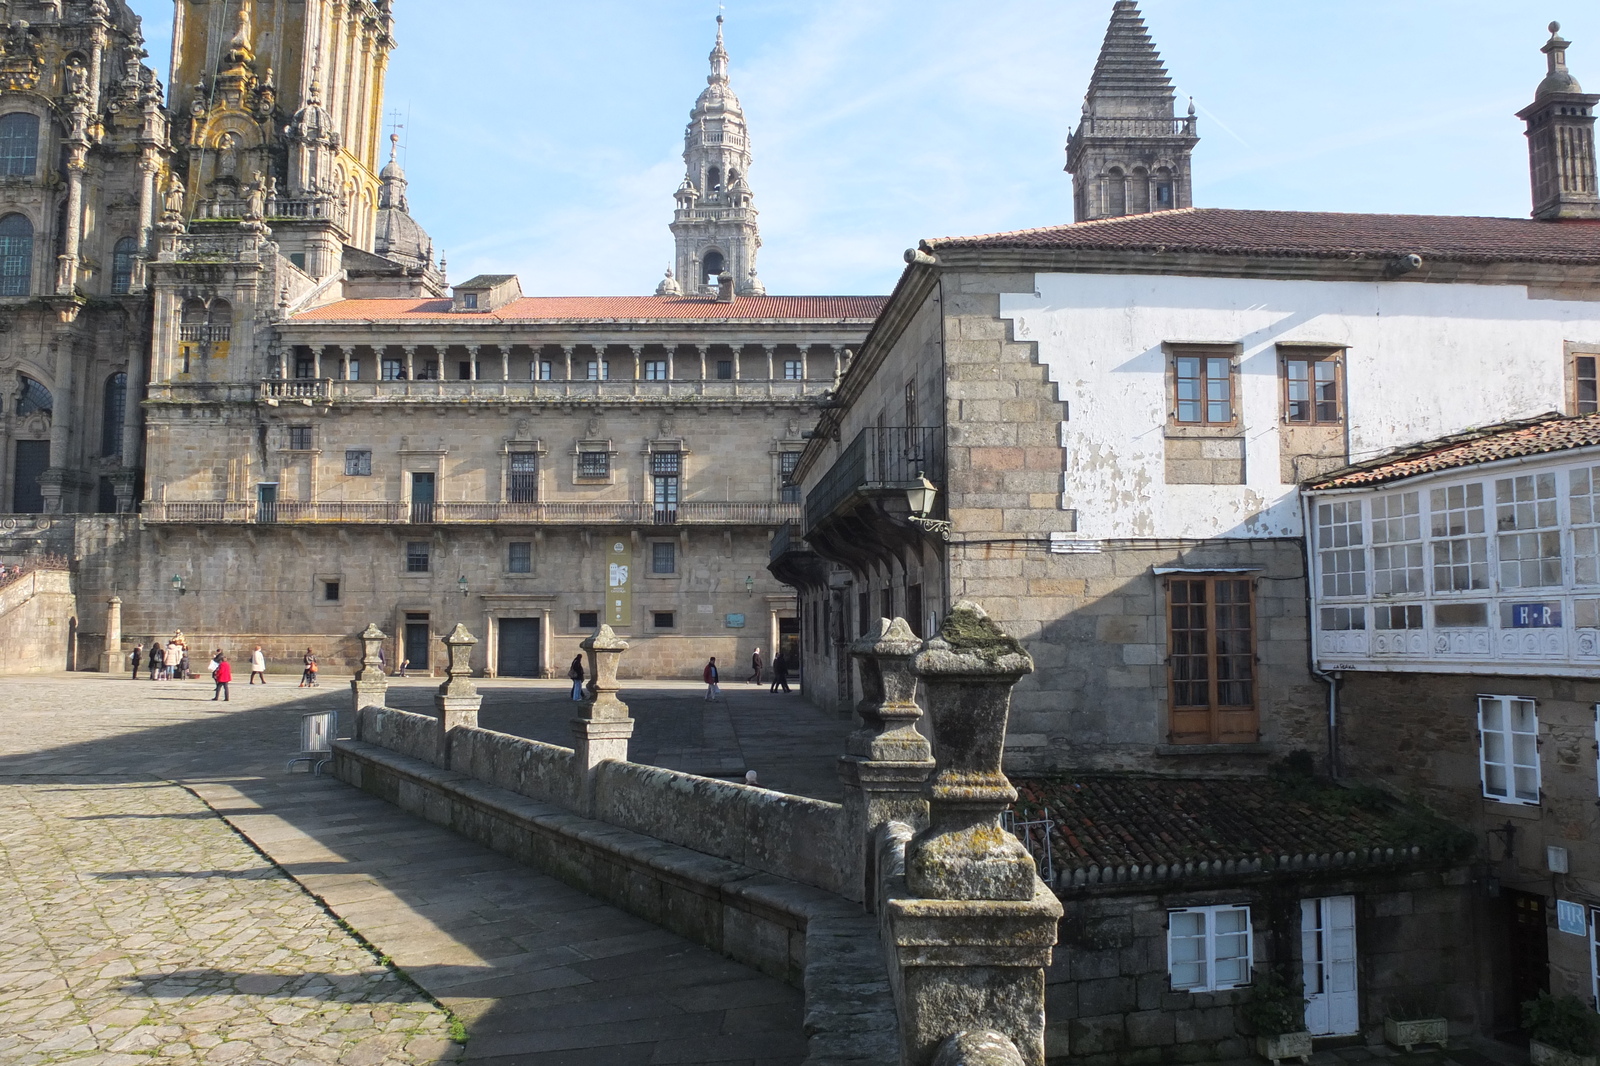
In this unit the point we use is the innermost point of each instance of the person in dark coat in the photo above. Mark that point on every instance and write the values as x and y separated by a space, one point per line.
710 676
755 667
575 672
135 658
780 672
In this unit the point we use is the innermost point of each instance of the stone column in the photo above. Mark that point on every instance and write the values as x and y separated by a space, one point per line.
566 353
344 362
602 731
505 362
411 362
111 658
316 362
472 362
371 686
805 362
971 927
67 262
887 762
672 363
457 700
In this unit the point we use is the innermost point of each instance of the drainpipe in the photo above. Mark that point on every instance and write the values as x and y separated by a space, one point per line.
1335 679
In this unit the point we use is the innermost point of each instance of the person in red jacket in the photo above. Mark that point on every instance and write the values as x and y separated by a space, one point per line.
223 675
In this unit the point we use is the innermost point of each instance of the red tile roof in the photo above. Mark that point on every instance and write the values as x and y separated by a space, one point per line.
1505 440
1313 234
607 309
1112 820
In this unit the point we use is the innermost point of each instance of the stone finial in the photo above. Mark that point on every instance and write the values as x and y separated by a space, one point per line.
458 669
605 650
967 672
372 639
602 731
888 707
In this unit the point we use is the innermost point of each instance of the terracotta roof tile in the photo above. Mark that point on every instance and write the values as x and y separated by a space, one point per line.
1314 234
1109 820
607 309
1505 440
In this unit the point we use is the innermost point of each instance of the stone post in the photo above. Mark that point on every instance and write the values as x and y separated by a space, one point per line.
457 701
602 731
973 929
370 687
887 762
111 660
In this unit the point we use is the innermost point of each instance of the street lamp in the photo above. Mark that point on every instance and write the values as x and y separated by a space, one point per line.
920 497
461 583
177 584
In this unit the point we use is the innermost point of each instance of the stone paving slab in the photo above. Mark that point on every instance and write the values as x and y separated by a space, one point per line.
540 973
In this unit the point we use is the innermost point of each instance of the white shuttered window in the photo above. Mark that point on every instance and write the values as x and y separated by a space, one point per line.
1508 748
1208 948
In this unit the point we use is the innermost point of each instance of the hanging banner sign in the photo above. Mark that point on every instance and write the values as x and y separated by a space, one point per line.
619 589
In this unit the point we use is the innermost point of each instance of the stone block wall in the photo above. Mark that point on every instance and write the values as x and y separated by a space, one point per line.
526 767
38 617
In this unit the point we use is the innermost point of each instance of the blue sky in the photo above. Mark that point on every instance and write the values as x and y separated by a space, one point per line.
545 139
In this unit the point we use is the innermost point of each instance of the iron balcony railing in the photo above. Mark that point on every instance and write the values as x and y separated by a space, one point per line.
879 458
356 512
785 540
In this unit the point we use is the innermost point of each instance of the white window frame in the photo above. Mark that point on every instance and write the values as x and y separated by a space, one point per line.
1509 765
1211 983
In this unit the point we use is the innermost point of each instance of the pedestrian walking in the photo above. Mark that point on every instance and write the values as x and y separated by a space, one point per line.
221 675
404 664
158 656
135 658
308 676
755 667
258 665
575 671
780 671
711 678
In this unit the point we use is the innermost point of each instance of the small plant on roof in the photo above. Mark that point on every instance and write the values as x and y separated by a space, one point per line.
1277 1007
1562 1022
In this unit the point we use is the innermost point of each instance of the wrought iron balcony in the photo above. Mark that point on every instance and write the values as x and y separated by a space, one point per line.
878 459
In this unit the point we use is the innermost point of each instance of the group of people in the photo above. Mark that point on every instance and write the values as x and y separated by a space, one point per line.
780 670
710 675
170 662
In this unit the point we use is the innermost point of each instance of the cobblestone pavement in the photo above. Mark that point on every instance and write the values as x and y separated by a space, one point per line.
540 974
137 927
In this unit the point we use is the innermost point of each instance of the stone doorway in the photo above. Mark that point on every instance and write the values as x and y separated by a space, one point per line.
519 648
415 655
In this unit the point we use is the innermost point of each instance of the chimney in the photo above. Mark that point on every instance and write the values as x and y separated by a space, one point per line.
724 288
1561 150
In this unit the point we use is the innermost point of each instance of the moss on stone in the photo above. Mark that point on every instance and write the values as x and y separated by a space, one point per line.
967 628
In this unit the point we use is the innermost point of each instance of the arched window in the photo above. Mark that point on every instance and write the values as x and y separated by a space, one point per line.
19 145
122 266
34 397
713 179
1116 193
16 256
115 409
711 267
1139 192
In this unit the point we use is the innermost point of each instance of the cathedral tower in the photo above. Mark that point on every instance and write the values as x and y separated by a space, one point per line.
715 222
1130 153
283 99
1561 140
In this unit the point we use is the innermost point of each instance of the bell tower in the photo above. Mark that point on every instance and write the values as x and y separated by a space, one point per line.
715 221
1561 152
1130 153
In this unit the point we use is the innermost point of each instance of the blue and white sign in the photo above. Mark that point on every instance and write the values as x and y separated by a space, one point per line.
1571 918
1536 615
736 621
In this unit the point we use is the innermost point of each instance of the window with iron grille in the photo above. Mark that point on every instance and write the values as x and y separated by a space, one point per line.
122 257
19 145
417 557
788 490
299 438
522 478
519 557
16 253
664 468
1211 659
588 620
358 463
664 619
113 412
594 464
663 557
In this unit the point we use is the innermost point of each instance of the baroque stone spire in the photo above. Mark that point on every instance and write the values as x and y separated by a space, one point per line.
714 225
1561 153
1130 153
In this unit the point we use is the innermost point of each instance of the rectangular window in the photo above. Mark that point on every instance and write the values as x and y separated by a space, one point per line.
864 613
663 619
1204 385
911 404
519 557
655 370
664 469
1340 554
1586 398
300 438
355 370
1397 616
663 557
430 370
1584 499
330 591
470 301
588 620
1530 557
1461 615
1460 548
1211 661
1343 619
1311 388
1209 948
545 371
1508 748
1397 544
600 371
594 464
787 462
358 464
724 369
394 370
522 477
417 557
791 370
305 367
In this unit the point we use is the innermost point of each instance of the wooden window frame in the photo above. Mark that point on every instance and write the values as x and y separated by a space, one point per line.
1575 398
1204 353
1237 724
1311 357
